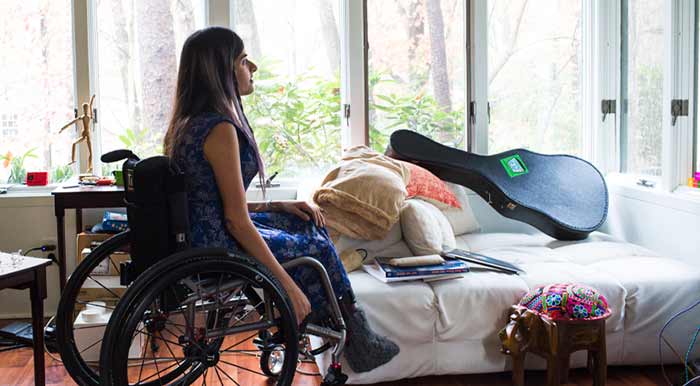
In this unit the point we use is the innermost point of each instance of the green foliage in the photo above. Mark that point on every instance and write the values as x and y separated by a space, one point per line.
18 173
141 142
61 173
420 113
296 121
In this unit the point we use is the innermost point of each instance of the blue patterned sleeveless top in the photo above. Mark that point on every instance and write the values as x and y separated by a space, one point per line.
206 212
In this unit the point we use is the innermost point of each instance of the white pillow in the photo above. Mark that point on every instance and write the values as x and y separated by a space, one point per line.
425 228
461 220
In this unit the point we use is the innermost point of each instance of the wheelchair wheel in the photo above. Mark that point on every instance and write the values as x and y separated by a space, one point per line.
209 307
81 357
80 342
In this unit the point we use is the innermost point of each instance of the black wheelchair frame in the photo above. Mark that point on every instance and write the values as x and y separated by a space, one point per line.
188 298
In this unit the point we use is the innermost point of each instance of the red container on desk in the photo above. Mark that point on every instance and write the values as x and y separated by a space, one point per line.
37 178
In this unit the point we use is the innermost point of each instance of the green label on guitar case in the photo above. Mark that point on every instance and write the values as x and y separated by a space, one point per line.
514 165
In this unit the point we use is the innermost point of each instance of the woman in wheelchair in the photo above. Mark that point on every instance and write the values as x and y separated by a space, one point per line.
210 139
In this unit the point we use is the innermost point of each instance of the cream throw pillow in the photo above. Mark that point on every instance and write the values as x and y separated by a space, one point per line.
362 197
425 228
462 220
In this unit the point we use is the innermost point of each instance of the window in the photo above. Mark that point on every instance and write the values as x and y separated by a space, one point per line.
37 88
138 47
9 125
416 65
642 78
534 76
295 110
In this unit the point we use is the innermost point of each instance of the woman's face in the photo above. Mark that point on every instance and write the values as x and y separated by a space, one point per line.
244 69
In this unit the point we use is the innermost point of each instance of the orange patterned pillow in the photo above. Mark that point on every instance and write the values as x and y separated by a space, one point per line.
426 186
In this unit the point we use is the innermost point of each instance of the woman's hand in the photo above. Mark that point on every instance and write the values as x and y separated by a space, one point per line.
300 302
307 211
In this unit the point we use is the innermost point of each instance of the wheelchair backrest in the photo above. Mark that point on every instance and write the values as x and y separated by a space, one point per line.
156 201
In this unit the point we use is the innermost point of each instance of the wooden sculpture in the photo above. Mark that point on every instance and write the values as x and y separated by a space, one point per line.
86 119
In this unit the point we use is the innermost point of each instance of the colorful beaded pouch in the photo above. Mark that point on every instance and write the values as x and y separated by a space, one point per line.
567 301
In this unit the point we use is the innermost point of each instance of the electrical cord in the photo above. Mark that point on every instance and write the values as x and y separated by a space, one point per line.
44 248
661 359
690 349
692 380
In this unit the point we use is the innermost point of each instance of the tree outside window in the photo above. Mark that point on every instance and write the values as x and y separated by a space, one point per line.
36 88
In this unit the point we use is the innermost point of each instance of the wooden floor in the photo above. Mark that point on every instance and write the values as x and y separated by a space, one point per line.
16 368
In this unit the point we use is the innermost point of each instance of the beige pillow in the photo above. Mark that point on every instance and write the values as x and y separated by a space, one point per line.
462 220
425 228
362 198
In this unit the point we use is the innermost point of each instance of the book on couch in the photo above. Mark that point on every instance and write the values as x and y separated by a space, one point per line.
386 272
479 259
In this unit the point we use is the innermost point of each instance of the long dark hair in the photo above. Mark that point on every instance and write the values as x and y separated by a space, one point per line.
206 82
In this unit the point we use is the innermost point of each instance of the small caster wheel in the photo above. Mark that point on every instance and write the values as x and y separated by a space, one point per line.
272 361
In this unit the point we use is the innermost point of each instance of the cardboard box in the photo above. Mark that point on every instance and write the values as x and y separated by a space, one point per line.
84 243
107 290
107 267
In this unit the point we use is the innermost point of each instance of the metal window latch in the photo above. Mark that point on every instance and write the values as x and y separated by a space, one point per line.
346 113
472 112
608 106
645 183
679 108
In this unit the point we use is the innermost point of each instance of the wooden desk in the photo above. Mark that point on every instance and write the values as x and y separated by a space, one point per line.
78 198
21 272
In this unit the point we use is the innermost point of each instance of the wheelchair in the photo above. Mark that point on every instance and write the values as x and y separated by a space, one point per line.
180 315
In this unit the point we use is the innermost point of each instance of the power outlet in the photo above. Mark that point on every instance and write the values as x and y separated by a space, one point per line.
49 240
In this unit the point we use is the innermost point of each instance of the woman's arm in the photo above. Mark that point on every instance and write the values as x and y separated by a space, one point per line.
220 150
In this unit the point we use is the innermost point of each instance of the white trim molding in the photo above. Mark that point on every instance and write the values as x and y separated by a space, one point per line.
353 77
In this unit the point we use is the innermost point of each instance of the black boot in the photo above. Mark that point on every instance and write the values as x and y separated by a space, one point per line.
364 349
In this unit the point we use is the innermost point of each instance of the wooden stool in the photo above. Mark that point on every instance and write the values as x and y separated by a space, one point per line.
554 340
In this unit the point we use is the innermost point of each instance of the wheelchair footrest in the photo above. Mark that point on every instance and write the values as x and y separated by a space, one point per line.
334 376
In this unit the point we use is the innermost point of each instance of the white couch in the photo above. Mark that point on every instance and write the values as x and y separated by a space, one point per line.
450 327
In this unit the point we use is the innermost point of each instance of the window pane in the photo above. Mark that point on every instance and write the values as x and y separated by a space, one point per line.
416 69
139 44
534 75
295 109
642 58
36 88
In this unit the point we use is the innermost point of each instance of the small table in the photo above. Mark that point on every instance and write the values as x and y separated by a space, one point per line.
78 198
21 272
554 340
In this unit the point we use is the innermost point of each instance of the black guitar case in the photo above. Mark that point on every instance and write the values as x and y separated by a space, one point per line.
561 195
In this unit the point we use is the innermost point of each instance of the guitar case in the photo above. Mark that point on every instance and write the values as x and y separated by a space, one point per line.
561 195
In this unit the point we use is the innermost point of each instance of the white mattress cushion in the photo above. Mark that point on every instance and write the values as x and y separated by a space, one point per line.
403 311
657 288
643 290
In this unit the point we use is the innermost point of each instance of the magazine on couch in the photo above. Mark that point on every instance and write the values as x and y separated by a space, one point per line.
387 272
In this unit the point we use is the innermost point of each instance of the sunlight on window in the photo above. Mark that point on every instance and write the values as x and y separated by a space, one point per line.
416 69
295 109
643 87
139 44
36 89
534 75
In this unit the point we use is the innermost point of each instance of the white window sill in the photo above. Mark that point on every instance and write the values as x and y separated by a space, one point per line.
682 198
25 196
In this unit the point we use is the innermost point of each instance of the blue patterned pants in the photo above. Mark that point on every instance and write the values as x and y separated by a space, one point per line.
289 237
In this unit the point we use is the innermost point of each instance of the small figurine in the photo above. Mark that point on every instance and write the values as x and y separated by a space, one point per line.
86 118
